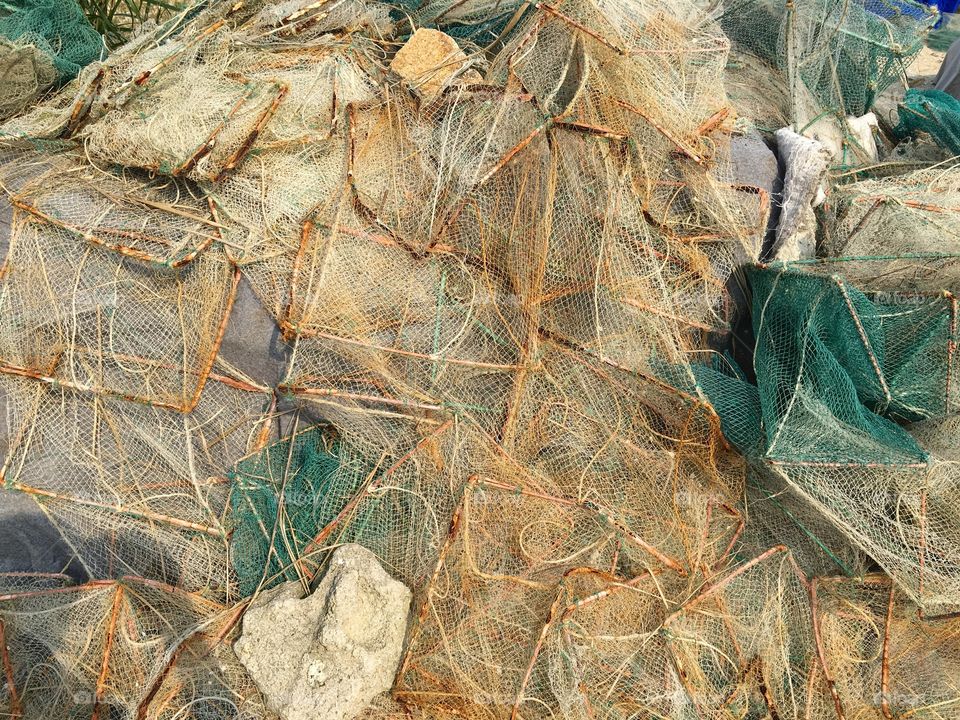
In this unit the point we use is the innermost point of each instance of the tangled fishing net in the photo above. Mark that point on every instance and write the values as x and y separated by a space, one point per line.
837 371
500 248
823 63
42 42
25 72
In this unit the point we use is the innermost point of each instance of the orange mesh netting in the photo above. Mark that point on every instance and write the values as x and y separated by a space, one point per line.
482 282
129 648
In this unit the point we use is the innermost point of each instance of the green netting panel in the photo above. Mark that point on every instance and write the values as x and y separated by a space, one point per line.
737 402
844 52
835 369
281 498
934 112
57 27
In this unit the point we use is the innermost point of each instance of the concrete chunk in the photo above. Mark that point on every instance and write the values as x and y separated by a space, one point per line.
328 655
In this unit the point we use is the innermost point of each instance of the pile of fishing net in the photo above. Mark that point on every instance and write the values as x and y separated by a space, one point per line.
933 112
821 64
500 266
42 43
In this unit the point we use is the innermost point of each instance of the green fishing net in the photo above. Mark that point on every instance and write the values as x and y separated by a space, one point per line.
837 369
854 401
57 28
282 497
934 112
835 54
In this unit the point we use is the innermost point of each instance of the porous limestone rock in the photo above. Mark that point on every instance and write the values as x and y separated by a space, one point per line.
328 655
429 61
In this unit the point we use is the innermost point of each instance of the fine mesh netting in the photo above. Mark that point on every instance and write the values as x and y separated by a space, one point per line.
57 28
878 653
133 489
831 58
42 43
840 53
108 293
25 72
282 498
775 513
551 459
79 651
498 300
905 222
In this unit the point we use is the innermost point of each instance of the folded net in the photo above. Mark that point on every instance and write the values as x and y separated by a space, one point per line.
499 275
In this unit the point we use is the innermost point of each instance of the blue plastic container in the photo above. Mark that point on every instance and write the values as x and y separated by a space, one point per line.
944 6
893 8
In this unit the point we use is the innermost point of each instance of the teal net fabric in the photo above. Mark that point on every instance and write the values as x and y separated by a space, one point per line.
836 370
281 498
56 27
934 112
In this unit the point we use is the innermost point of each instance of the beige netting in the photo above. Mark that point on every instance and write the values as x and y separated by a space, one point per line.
776 513
598 645
128 648
600 653
152 130
501 268
879 657
510 553
912 216
590 434
760 97
110 284
134 489
25 72
502 522
20 581
901 515
506 553
158 221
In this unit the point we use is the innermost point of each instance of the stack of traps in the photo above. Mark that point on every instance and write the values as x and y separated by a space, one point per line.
500 280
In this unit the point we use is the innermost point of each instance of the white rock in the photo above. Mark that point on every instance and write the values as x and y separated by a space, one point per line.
862 129
806 163
328 655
